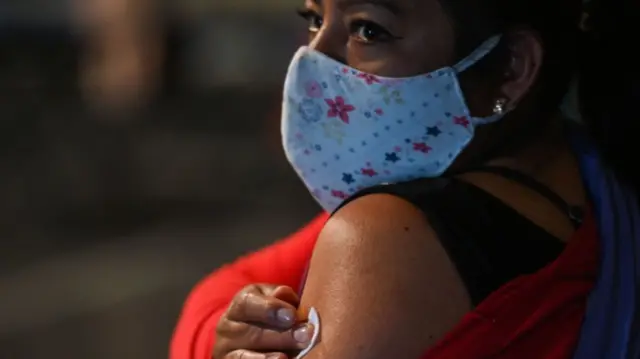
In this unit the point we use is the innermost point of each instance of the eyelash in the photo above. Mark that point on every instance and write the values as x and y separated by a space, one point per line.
380 34
310 16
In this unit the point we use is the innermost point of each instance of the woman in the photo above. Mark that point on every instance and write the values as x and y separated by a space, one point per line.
469 218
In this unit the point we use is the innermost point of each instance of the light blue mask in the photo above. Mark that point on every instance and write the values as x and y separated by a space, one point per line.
344 130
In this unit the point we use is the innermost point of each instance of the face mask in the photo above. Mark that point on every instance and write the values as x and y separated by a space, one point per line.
344 130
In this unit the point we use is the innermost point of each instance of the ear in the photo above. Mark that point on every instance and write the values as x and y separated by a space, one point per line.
525 51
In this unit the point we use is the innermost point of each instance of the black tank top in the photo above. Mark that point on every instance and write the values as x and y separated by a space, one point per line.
489 242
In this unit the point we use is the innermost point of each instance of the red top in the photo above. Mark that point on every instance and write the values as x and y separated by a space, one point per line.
532 317
282 263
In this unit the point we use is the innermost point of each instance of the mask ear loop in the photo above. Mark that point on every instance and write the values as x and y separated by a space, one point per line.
480 52
477 54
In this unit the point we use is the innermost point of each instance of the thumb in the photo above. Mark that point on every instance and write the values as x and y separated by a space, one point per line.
286 294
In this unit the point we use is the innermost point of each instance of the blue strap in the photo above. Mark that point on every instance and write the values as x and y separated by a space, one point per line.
610 329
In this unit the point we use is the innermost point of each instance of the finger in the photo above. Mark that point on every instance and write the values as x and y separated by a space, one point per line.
246 354
256 338
253 307
286 294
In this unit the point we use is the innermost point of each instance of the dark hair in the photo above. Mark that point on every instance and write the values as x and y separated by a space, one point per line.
599 51
609 85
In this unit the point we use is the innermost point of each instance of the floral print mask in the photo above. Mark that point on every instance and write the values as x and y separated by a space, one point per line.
344 130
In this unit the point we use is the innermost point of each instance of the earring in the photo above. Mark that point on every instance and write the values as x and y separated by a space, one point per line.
498 107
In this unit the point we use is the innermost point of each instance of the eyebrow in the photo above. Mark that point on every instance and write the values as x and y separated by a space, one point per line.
390 5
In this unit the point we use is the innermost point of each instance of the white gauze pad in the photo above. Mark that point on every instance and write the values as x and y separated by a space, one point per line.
314 320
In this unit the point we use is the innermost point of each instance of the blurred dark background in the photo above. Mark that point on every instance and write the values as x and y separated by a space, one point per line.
139 150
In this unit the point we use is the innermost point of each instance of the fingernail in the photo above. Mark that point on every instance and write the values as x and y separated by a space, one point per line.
275 356
285 315
302 334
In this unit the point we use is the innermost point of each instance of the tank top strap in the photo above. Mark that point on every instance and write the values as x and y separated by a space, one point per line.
574 213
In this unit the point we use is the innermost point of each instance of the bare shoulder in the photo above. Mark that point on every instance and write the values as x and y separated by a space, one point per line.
379 263
383 224
379 214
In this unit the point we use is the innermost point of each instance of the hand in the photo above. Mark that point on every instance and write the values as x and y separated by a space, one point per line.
261 324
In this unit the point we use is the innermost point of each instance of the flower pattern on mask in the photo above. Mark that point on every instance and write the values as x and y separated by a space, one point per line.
391 95
310 111
338 108
313 89
345 130
333 130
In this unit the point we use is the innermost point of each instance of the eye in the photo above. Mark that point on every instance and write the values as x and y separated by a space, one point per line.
313 18
369 32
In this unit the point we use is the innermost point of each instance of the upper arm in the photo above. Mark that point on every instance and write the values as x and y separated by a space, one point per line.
382 283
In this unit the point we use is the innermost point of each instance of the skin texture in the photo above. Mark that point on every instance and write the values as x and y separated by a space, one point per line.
382 284
379 278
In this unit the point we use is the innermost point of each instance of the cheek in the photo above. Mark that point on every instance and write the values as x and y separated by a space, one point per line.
373 59
411 56
428 53
388 60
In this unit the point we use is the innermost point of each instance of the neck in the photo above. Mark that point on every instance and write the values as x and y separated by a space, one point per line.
540 153
550 160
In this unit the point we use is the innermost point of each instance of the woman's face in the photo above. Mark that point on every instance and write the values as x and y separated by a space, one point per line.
393 38
400 38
